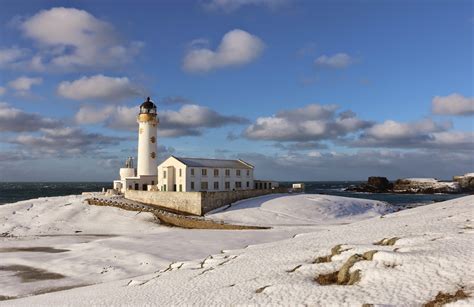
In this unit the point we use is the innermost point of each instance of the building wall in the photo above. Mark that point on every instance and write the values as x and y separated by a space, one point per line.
197 203
185 178
221 179
186 202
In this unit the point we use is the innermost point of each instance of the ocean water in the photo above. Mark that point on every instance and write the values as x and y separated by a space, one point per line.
11 192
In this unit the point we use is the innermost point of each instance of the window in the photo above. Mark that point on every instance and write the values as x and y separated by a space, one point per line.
204 172
192 172
227 172
237 172
248 173
152 182
153 139
136 186
238 184
216 173
129 186
204 185
227 185
180 172
144 187
164 174
164 187
248 184
192 185
174 187
181 188
216 185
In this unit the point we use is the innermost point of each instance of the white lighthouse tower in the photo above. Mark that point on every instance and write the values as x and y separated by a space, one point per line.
147 128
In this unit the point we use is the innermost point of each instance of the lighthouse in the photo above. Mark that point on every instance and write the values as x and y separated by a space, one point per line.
147 148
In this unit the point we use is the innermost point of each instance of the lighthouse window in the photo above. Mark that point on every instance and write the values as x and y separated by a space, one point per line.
153 139
153 155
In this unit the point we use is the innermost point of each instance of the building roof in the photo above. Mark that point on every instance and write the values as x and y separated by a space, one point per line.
214 163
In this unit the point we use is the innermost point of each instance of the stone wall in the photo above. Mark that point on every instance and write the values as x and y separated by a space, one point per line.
214 200
196 203
183 202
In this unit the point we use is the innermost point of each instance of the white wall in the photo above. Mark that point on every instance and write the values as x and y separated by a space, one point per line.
147 149
186 178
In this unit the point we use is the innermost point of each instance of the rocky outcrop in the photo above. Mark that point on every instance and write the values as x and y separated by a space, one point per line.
373 185
460 184
466 182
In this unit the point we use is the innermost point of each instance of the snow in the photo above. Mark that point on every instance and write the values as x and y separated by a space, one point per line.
431 180
299 209
433 254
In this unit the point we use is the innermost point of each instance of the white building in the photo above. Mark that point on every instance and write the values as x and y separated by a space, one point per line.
195 174
146 172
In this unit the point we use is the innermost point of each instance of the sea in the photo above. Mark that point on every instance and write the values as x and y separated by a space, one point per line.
11 192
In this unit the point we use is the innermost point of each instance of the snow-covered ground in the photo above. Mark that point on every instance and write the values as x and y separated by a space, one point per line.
299 209
91 244
433 253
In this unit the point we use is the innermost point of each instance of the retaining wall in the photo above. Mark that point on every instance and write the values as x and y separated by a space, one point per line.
197 203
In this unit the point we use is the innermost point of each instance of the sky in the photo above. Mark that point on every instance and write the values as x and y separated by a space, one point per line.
303 90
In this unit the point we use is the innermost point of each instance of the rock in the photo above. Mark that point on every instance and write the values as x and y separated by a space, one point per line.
425 186
374 185
380 183
466 182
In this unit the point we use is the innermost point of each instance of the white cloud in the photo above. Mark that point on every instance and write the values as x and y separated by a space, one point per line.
99 87
236 48
92 115
419 134
338 60
64 142
232 5
454 104
16 120
312 122
72 39
23 84
11 55
189 120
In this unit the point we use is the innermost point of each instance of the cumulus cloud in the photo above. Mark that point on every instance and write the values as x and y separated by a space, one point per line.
232 5
64 141
23 84
88 114
99 87
311 123
237 48
16 120
74 39
338 60
419 134
9 56
454 104
189 120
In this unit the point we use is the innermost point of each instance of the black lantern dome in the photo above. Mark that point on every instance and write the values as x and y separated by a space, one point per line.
148 107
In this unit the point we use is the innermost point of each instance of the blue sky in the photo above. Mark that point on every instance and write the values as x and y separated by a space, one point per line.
304 90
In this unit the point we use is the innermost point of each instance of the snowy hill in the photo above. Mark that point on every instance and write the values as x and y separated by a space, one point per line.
427 250
299 209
